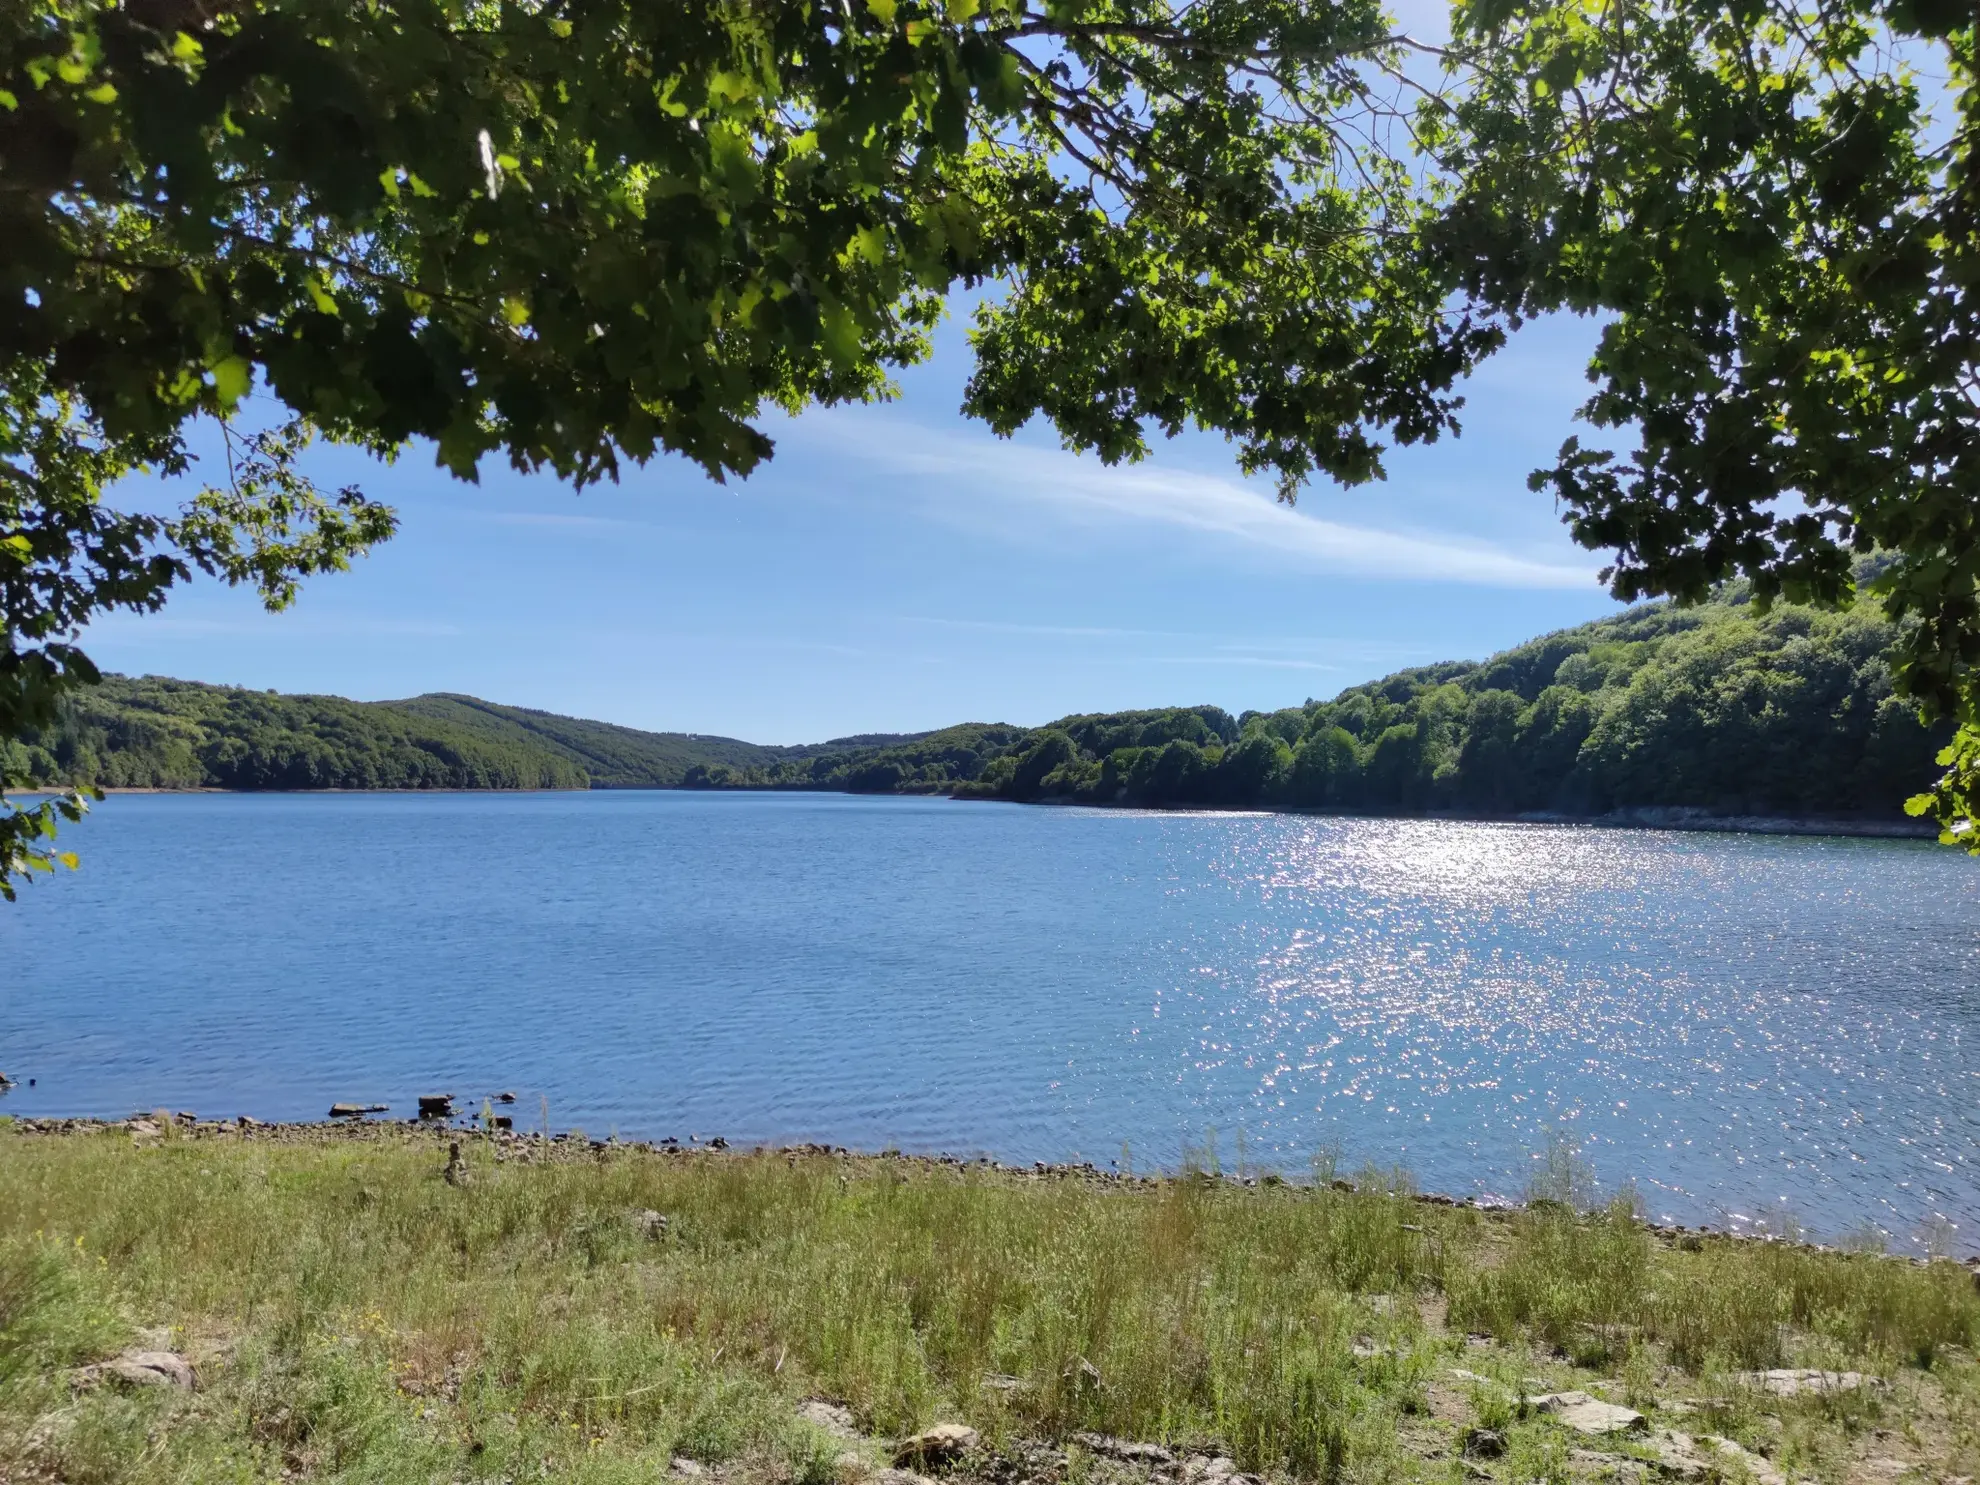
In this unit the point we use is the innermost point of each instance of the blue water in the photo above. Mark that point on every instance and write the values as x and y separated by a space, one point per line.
1744 1026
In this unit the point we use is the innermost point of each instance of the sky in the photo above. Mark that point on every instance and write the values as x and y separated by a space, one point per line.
898 568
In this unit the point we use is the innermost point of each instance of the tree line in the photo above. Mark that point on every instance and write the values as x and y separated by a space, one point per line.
1712 707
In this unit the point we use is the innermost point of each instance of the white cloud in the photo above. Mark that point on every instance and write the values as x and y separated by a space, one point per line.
265 625
1082 489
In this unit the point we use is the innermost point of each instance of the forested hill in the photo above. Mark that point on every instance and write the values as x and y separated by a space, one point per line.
1709 708
157 733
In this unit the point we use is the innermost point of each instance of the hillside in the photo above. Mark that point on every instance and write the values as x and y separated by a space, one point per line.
1711 708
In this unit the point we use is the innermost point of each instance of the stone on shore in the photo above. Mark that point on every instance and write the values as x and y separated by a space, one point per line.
1706 1455
1795 1381
942 1444
835 1420
1124 1450
1584 1414
141 1369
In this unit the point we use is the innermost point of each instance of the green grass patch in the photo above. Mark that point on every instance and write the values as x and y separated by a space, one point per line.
357 1318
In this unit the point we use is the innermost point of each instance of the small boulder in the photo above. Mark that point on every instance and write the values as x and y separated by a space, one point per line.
652 1226
1124 1450
829 1416
683 1468
436 1106
1484 1443
456 1173
1584 1414
1799 1381
1687 1458
141 1369
505 1098
943 1444
357 1110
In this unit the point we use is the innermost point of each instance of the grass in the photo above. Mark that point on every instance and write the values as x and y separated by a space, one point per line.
359 1319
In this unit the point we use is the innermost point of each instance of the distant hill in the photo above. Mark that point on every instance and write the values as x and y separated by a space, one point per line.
1711 709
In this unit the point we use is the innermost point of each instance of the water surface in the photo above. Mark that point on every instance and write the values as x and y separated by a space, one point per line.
1744 1026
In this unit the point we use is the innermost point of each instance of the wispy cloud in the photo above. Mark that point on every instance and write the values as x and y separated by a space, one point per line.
1055 631
1083 489
1268 662
554 521
284 625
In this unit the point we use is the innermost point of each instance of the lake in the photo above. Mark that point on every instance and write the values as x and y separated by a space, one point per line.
1755 1030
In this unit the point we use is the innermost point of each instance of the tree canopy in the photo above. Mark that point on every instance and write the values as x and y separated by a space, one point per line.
576 233
1775 208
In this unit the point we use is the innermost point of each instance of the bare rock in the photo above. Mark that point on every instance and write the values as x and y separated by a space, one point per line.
1584 1414
652 1226
436 1106
943 1444
1210 1469
141 1369
1484 1443
1797 1381
683 1468
1003 1382
1687 1458
898 1477
357 1110
1123 1450
835 1420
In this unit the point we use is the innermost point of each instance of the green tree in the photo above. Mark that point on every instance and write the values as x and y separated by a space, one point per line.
1326 770
571 236
1052 751
1781 240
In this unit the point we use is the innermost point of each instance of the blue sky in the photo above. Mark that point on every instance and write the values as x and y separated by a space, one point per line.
898 567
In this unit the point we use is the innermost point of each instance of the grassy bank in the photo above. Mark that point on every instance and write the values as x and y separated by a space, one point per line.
354 1316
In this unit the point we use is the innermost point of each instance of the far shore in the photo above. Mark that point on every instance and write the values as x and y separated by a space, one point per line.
1647 817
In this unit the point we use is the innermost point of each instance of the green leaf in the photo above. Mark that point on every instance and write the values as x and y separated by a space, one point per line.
232 379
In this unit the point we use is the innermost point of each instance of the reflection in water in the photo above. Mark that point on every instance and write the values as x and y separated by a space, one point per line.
1738 1024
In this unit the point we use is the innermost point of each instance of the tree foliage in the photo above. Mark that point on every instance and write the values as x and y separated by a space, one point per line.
579 234
1781 236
